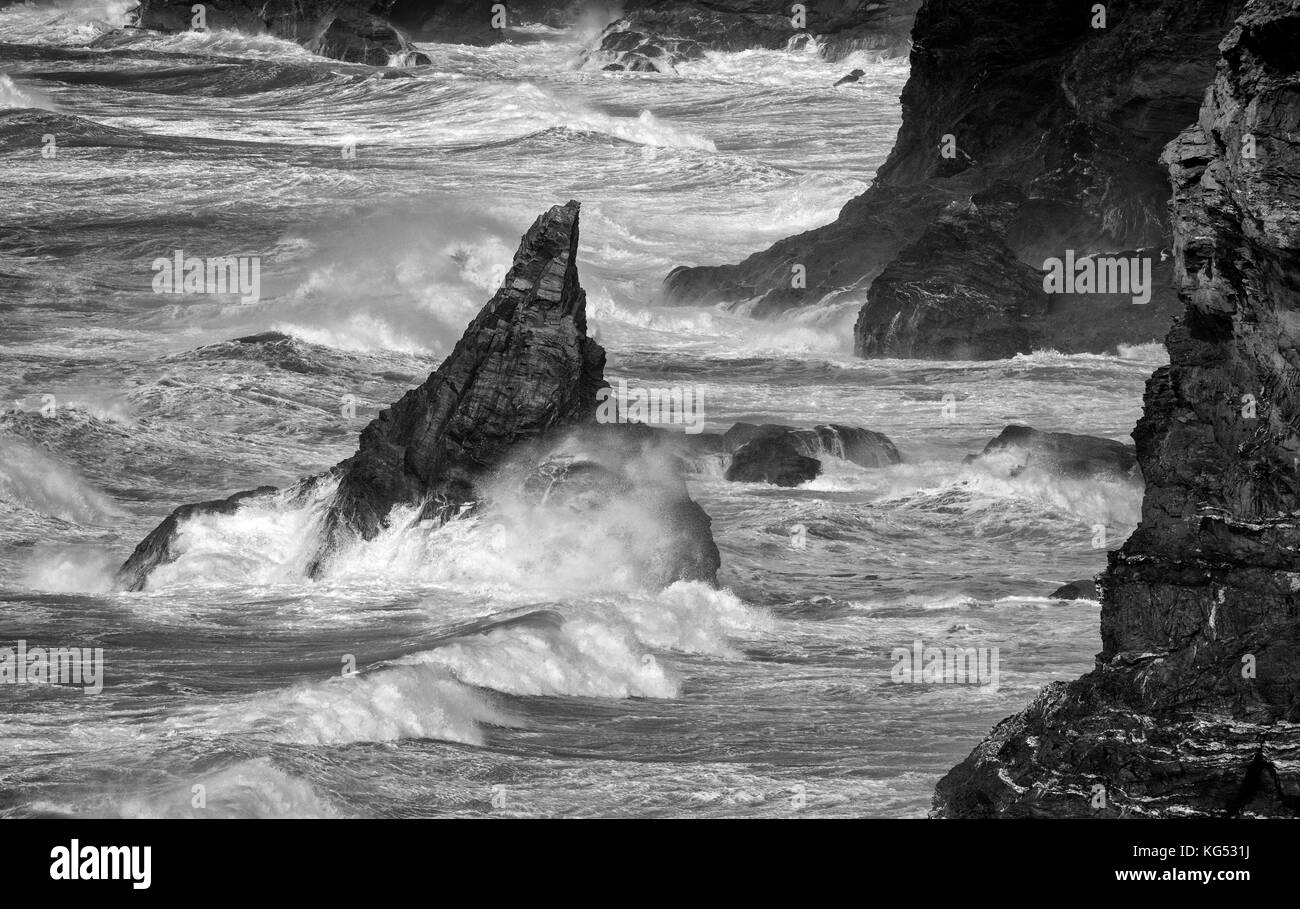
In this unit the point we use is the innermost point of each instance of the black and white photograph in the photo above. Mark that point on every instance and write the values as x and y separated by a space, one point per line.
650 409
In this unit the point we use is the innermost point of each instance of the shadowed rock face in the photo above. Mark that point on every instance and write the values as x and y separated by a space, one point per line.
1070 116
1194 708
956 293
524 375
960 293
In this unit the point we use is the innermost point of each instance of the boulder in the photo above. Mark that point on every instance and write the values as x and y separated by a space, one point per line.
772 459
1076 590
786 456
1068 454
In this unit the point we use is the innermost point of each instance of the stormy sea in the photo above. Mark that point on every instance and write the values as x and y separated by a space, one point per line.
440 669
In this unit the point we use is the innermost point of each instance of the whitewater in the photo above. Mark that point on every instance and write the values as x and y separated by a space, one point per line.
460 670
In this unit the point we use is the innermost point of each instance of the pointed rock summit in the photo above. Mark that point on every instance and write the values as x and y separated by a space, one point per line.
524 366
522 377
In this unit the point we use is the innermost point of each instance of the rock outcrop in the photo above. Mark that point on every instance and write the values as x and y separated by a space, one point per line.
1067 454
1076 590
523 377
786 456
1029 106
959 293
1194 707
645 35
374 32
657 36
356 31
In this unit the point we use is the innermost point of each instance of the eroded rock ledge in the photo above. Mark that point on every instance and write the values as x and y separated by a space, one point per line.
1194 707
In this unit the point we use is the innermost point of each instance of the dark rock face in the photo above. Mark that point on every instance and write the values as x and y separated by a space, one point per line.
656 36
524 374
957 293
1033 97
1076 590
960 293
772 459
1062 453
1192 709
787 457
525 366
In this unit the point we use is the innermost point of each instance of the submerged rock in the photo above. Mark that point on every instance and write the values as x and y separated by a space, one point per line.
524 375
624 481
1064 453
163 544
1192 709
853 76
786 456
1076 590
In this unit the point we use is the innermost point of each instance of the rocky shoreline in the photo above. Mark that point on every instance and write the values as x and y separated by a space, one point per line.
637 35
1028 131
1194 707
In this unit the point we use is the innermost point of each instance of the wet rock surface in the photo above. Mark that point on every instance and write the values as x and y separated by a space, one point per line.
524 374
786 456
1194 707
1067 454
1022 94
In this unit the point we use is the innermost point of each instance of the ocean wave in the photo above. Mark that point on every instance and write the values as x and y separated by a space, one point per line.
35 480
981 489
269 540
211 42
383 705
799 67
14 98
253 788
596 649
62 21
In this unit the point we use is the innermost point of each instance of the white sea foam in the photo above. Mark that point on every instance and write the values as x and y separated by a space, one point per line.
12 96
34 479
267 540
253 788
62 21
